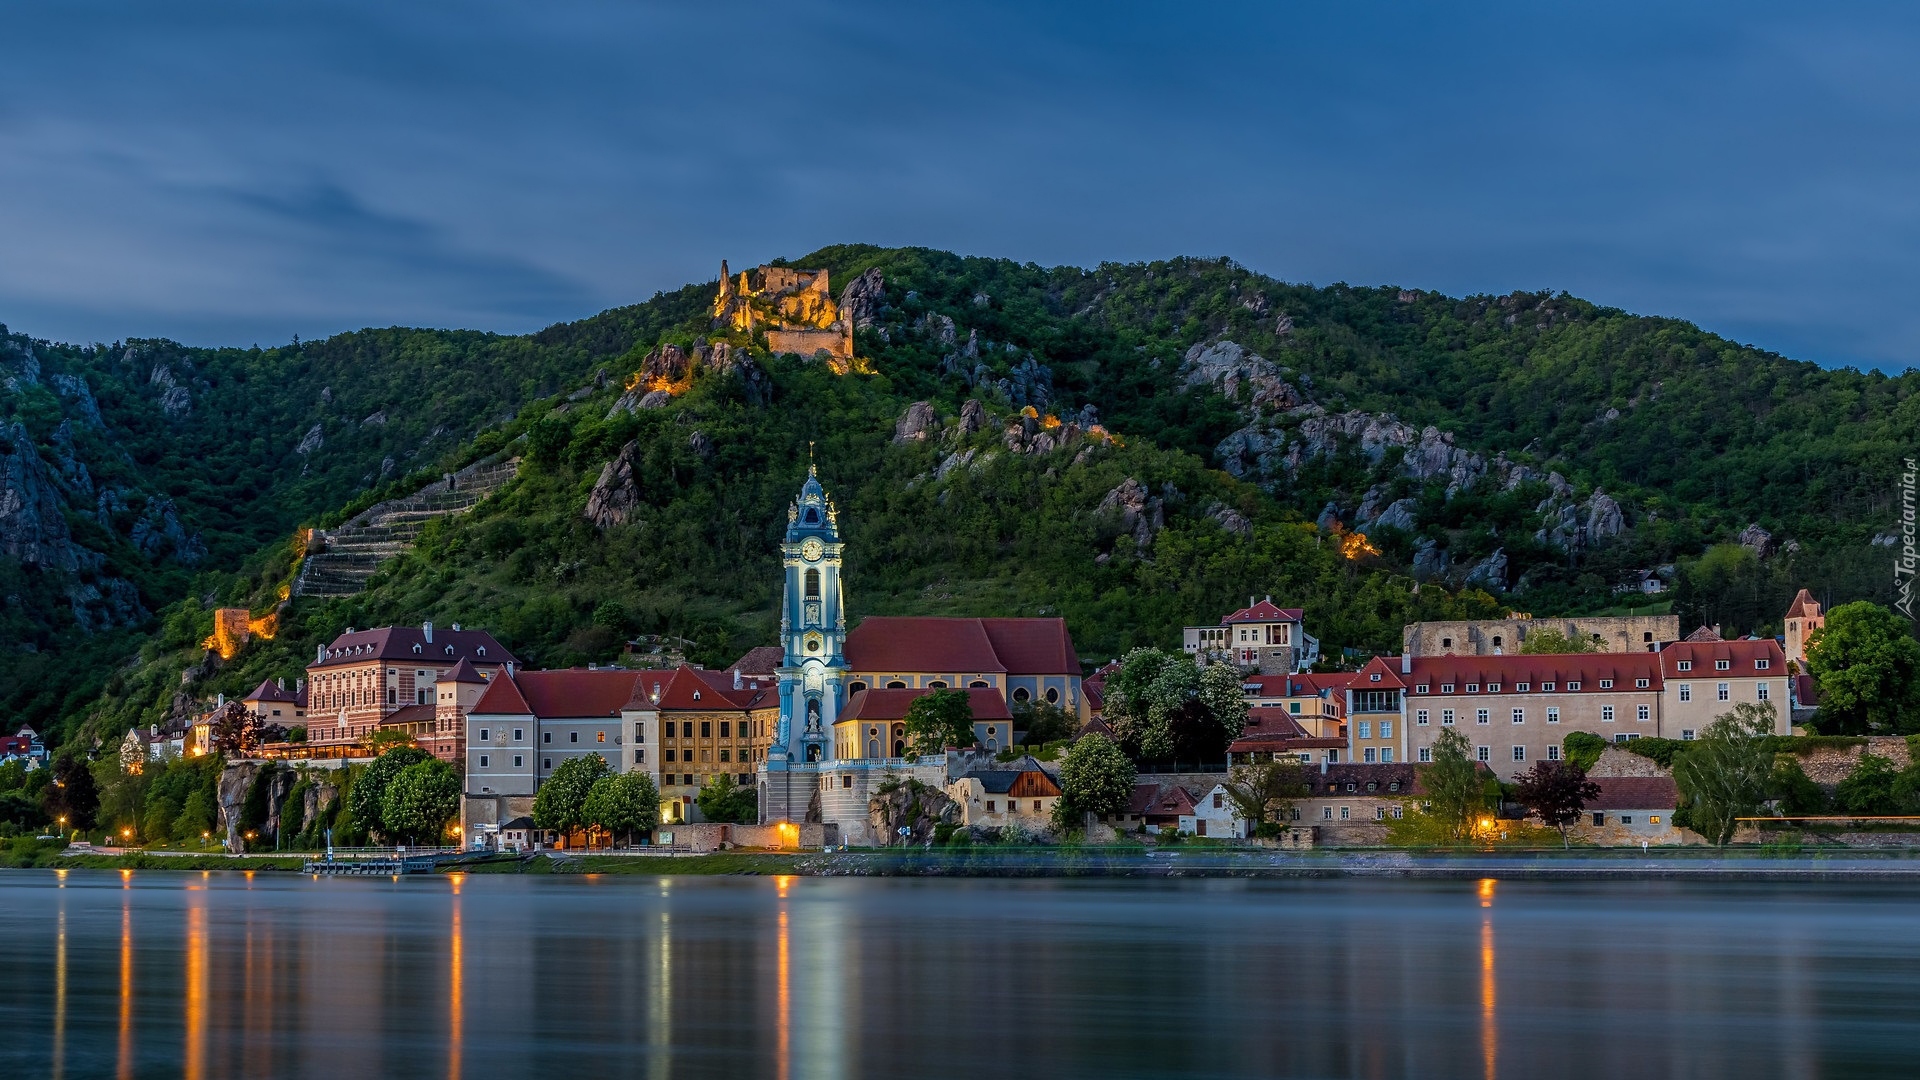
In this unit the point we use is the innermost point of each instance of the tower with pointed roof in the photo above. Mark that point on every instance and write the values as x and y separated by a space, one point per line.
1803 617
813 630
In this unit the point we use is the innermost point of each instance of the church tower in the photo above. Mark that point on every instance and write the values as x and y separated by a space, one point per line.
813 628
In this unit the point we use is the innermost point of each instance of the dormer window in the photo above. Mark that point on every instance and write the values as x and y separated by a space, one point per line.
416 649
1546 687
1522 688
1423 688
1473 688
1722 665
1493 688
1606 684
1685 665
696 695
1376 676
1446 688
1761 665
449 650
1573 685
481 651
1640 684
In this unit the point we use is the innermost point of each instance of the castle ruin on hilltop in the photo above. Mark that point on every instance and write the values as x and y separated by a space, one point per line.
795 307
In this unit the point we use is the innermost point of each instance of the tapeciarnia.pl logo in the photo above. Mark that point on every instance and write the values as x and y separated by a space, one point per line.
1908 561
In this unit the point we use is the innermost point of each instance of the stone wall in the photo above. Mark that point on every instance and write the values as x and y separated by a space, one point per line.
1827 766
1476 637
708 836
805 343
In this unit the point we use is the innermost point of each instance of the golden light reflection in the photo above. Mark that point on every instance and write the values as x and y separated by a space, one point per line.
781 883
782 1024
456 988
788 834
125 1070
1489 1028
60 989
194 1066
1486 891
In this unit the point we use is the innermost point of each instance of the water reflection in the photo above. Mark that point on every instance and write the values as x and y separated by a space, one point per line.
287 976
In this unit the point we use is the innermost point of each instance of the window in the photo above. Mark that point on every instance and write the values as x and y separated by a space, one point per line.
1420 717
1684 665
485 735
1446 643
706 729
1386 754
1547 687
1643 712
1326 813
1599 818
573 736
1346 813
813 584
1654 820
1553 752
1379 813
519 761
520 734
1366 729
1473 688
1426 754
1482 716
1522 688
1686 734
1606 684
546 736
484 761
1724 691
1375 677
1761 664
1519 753
1053 695
1519 716
1484 753
1493 688
393 696
1760 692
1686 691
1722 665
667 754
1573 686
726 729
1422 688
989 806
1386 729
1626 819
724 755
1446 688
686 729
1553 714
1606 713
1640 684
1446 717
1368 755
599 736
546 763
1218 799
1293 707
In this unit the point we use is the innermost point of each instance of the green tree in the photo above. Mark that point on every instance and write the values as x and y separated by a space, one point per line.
1583 748
1263 792
1725 774
1868 666
625 803
420 800
1793 791
73 794
1557 791
937 720
561 803
367 798
156 824
197 817
1456 792
1164 707
1869 789
1043 722
722 800
1550 641
1095 778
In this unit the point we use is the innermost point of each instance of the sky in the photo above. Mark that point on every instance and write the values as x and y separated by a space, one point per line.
240 173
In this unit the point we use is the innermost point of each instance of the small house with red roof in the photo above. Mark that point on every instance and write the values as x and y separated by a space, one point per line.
1631 810
273 703
1020 793
1262 637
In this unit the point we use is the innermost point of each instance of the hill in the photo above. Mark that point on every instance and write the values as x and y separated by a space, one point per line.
1531 449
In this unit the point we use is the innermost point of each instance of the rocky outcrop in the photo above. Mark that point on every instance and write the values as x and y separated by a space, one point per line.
77 396
378 418
1398 515
74 478
700 443
1029 382
1490 573
175 399
33 529
938 329
312 441
916 424
1137 513
616 495
1575 527
913 806
105 604
863 298
725 361
1604 519
159 535
1240 376
1430 560
1230 519
973 417
1757 540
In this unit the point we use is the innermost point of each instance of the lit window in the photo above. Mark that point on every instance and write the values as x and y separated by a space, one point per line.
600 736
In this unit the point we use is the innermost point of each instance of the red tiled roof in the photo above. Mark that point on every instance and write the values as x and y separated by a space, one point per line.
1262 742
464 672
1304 684
1273 720
892 704
1333 782
1388 668
1265 611
1705 633
688 689
1806 692
760 660
397 643
1156 801
1804 606
268 690
1033 646
1740 657
408 714
1635 793
501 698
1588 669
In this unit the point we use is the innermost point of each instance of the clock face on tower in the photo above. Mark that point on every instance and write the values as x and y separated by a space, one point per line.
812 549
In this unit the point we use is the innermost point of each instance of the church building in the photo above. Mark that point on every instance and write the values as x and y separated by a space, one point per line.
844 695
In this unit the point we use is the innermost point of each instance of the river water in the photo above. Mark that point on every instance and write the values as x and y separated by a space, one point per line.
152 974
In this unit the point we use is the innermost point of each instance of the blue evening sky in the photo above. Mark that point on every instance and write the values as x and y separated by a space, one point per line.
232 173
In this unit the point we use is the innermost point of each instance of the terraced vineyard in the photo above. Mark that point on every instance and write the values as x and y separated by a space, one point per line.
339 561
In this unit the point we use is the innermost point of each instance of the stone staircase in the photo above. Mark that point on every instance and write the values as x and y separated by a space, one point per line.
339 561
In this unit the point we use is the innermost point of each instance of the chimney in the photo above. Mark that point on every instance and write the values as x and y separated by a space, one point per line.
280 682
427 629
456 628
1406 663
736 679
319 653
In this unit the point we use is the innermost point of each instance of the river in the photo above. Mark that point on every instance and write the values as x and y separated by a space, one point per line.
151 974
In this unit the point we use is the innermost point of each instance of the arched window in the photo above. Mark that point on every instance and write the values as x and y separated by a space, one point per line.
1021 693
977 685
899 748
937 684
1053 695
812 516
813 584
873 748
855 687
896 685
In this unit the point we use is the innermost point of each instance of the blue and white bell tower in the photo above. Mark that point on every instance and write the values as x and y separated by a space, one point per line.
813 628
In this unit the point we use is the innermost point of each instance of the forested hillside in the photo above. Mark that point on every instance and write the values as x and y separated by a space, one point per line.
1197 433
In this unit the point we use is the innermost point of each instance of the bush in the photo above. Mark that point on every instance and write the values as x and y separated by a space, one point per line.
1583 748
1661 751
